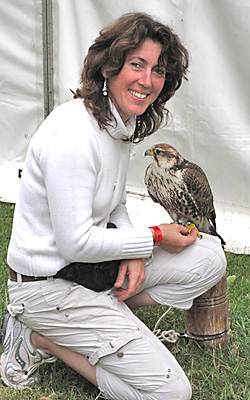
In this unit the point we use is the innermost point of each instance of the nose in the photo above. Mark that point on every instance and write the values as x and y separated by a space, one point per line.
146 78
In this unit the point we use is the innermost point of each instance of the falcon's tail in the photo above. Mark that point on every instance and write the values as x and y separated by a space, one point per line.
214 233
212 228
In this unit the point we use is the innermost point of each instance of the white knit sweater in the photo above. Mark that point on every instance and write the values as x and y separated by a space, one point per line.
73 183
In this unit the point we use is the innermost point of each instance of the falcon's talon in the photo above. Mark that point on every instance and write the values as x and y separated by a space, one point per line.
190 226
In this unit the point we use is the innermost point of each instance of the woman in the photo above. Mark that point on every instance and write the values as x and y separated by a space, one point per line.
72 187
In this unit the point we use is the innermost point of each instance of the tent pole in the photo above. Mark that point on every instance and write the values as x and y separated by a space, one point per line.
48 56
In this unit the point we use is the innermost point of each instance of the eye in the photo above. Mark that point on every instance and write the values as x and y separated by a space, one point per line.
135 65
160 72
157 151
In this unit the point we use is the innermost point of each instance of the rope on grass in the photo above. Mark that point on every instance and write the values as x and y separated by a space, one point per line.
169 336
100 396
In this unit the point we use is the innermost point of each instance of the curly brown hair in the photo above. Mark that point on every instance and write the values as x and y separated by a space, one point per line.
109 51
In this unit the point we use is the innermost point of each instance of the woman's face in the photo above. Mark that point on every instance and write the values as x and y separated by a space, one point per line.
139 82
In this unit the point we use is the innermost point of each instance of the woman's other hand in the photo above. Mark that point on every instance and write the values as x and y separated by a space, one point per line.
135 270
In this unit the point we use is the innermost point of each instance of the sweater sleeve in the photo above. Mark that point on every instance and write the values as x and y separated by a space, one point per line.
71 166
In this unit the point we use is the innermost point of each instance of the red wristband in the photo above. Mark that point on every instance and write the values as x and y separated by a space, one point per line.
158 235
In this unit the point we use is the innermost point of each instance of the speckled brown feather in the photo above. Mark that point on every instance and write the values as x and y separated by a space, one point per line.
182 188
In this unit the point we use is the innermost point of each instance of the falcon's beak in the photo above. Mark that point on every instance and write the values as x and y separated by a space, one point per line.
149 152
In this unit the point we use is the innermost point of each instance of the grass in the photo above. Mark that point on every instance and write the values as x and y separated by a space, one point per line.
214 374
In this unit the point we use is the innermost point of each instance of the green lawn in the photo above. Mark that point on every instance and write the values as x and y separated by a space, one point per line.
214 374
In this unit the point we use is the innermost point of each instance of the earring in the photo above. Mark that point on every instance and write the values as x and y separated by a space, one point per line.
105 88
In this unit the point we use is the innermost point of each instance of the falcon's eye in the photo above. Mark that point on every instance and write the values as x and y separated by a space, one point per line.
157 151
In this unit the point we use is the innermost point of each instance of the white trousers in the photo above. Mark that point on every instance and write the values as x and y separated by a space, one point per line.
131 362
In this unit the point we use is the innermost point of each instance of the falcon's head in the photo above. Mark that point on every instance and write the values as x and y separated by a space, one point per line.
165 156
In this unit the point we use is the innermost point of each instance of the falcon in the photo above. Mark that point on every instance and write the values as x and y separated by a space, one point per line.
181 188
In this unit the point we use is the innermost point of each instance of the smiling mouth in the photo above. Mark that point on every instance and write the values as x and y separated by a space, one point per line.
138 95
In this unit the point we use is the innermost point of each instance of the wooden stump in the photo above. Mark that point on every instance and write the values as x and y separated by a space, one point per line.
207 321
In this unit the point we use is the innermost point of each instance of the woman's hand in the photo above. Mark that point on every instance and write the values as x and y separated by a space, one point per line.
175 237
135 270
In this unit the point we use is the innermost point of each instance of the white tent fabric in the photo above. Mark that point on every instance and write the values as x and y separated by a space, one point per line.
21 87
210 113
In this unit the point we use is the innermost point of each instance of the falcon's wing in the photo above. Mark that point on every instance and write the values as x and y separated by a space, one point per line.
198 186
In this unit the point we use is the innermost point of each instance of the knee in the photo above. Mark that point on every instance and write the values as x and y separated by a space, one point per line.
179 389
214 259
185 391
214 265
219 265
